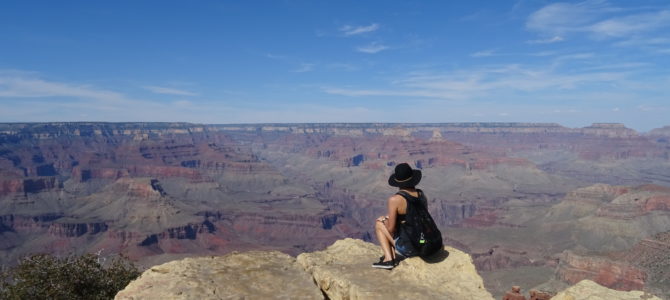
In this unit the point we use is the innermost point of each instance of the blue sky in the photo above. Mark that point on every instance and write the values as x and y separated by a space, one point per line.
572 63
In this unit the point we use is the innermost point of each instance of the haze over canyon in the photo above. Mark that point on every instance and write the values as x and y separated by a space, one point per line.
534 204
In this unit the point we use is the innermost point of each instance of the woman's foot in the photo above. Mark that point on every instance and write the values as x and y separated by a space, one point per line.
384 264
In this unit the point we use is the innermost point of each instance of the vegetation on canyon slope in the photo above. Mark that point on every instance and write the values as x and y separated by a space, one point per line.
45 276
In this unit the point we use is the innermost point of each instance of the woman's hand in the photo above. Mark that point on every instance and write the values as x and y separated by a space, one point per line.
382 219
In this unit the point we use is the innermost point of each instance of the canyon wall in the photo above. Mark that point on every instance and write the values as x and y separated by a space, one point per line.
516 195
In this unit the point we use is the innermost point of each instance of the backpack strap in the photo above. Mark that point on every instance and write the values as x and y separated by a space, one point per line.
418 199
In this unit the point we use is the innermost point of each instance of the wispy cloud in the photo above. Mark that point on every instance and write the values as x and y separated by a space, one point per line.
349 30
31 87
343 66
304 68
643 42
372 48
275 56
559 18
483 53
632 24
169 91
29 97
618 66
596 18
574 56
486 82
551 40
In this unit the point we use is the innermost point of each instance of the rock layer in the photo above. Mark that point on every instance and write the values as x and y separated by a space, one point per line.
613 274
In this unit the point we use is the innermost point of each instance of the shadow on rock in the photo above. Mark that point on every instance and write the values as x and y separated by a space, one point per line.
438 257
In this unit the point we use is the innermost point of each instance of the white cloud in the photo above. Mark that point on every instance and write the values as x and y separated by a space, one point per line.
169 91
575 56
275 56
551 40
637 42
544 53
372 48
619 66
349 30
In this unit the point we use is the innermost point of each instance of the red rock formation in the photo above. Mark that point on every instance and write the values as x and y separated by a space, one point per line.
10 186
635 202
514 294
658 202
539 295
64 230
596 194
613 274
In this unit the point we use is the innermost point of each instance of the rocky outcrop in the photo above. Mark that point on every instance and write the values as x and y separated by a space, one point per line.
589 290
255 275
343 271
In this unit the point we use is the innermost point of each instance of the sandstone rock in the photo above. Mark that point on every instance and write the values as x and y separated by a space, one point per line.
248 275
343 271
589 290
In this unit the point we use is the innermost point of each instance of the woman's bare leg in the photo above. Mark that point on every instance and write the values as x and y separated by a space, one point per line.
385 240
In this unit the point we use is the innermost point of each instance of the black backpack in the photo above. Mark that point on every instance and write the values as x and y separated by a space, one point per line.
418 233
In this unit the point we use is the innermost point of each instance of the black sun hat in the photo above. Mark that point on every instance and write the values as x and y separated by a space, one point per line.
404 176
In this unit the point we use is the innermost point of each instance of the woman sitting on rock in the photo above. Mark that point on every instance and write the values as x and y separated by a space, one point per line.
386 227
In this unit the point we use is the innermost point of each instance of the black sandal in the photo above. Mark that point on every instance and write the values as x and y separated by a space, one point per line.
388 265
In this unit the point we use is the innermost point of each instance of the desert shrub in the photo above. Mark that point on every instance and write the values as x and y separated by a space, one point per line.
45 276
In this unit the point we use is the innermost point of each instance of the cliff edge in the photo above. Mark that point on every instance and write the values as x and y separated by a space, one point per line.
248 275
341 271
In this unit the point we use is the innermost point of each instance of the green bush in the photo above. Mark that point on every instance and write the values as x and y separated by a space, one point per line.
44 276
